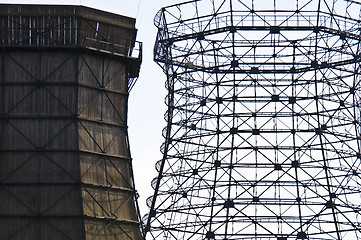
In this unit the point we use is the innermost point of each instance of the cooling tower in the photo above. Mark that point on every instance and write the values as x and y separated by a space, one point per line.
65 163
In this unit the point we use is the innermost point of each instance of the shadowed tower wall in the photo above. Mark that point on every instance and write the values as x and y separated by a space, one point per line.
65 164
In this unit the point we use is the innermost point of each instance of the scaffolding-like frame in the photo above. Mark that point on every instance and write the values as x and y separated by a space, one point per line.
263 123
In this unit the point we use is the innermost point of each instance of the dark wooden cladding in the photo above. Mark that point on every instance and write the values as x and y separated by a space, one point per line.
66 10
65 164
33 26
39 31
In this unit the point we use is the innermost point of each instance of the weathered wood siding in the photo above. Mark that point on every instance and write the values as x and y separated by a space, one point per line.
65 167
105 160
39 174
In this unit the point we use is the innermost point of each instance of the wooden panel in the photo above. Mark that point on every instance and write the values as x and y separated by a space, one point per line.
101 230
22 66
102 138
100 71
33 167
37 134
54 229
35 199
34 66
102 106
39 168
105 170
103 36
29 86
72 26
115 76
111 203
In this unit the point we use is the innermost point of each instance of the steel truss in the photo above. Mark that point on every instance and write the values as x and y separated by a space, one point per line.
263 122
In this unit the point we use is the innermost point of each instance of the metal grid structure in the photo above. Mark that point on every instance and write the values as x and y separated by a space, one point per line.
65 163
263 123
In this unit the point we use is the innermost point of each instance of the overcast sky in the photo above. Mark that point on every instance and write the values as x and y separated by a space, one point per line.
146 101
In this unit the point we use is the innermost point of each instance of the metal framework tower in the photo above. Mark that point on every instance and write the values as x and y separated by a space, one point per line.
65 164
263 123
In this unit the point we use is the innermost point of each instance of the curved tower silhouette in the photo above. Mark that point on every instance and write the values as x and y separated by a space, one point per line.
65 163
263 123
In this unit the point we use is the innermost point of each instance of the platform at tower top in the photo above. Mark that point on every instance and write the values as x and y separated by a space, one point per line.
24 25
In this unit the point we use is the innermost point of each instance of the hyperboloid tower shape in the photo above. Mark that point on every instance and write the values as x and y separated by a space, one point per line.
263 122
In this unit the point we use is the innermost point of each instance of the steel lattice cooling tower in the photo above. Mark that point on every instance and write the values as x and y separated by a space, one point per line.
65 164
263 122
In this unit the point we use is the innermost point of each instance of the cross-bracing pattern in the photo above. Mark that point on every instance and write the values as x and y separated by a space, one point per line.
65 161
262 140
